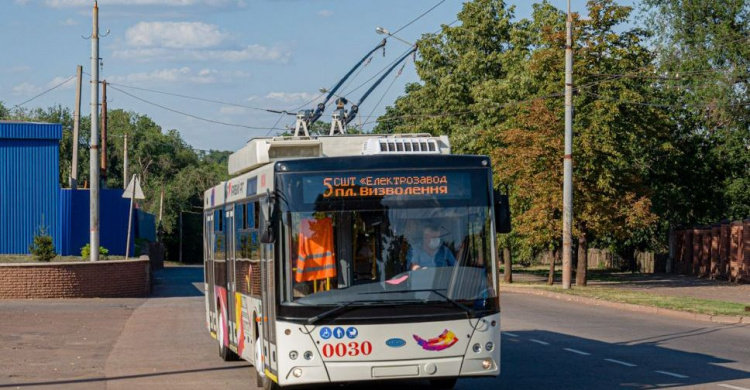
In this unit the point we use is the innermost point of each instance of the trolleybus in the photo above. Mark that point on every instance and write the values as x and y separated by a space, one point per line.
353 258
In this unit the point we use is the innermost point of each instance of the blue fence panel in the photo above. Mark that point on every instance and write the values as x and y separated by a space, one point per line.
29 172
113 221
146 226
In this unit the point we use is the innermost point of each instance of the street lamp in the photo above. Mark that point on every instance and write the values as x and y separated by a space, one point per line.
383 31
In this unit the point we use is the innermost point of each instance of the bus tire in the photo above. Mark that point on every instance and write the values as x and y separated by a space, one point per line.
443 383
225 353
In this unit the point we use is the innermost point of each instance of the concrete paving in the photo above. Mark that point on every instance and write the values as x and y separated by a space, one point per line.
162 343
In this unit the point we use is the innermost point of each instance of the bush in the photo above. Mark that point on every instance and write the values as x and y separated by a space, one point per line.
42 248
86 252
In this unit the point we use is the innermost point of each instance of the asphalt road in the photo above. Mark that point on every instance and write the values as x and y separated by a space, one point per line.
161 343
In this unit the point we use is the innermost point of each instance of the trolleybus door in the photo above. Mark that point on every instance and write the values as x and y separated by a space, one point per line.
231 282
268 286
208 266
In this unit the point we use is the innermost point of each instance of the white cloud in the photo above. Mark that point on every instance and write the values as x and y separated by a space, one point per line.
69 22
21 2
26 88
170 3
174 35
290 97
178 75
324 13
257 53
16 69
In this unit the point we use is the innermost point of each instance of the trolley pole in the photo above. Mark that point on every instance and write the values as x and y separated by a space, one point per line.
94 157
567 259
76 124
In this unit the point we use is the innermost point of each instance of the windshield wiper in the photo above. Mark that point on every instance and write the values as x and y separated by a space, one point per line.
337 309
328 313
457 304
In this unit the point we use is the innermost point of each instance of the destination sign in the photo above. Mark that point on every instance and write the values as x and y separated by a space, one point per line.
420 185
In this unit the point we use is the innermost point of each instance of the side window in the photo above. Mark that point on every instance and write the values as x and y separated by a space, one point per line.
219 236
247 248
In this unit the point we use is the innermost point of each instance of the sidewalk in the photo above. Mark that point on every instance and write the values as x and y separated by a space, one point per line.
664 284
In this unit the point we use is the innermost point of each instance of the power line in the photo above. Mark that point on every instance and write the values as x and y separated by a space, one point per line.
386 92
45 92
274 111
664 105
191 115
419 17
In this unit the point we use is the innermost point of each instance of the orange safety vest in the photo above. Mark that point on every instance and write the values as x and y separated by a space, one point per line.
315 254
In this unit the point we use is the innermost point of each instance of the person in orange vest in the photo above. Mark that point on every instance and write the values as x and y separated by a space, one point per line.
315 253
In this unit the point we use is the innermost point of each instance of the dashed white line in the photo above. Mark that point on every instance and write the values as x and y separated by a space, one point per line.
620 362
539 341
733 387
510 334
673 374
577 351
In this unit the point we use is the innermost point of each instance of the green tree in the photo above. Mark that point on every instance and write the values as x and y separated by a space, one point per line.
704 60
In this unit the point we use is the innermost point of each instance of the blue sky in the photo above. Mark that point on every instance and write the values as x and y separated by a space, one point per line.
260 53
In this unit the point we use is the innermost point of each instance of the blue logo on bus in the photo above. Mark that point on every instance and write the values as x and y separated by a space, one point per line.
395 342
325 333
352 332
338 332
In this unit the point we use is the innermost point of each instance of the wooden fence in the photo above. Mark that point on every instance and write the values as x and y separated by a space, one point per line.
720 251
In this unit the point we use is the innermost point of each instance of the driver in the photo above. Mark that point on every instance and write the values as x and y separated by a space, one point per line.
432 252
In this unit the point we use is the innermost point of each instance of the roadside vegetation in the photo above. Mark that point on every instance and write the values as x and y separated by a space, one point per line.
681 303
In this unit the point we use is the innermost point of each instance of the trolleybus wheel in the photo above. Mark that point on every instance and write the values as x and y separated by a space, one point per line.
445 383
225 353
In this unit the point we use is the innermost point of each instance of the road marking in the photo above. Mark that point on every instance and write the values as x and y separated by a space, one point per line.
733 387
673 374
510 334
539 341
621 362
577 351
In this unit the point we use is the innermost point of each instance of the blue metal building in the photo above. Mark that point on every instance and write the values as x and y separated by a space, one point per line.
29 183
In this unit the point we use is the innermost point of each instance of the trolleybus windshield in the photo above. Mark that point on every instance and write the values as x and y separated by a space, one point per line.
403 237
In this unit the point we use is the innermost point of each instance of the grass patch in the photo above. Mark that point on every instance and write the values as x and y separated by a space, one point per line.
688 304
8 259
592 274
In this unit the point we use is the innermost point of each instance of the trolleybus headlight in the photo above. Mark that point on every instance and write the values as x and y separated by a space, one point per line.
476 348
293 355
486 364
308 355
297 372
489 346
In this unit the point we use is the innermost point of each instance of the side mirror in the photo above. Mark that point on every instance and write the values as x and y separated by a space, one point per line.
502 213
267 237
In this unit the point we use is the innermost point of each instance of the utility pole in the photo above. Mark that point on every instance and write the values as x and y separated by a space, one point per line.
76 124
94 157
125 178
104 134
567 254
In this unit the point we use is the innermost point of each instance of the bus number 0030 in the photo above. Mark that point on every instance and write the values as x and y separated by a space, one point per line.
350 349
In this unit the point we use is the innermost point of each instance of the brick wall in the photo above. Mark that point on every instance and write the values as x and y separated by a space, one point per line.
105 279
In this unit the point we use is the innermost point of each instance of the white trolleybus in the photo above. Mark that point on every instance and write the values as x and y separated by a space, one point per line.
355 257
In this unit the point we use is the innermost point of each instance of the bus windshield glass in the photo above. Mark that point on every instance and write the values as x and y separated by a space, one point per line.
398 237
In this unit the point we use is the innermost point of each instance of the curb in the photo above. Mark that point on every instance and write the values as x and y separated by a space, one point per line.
719 319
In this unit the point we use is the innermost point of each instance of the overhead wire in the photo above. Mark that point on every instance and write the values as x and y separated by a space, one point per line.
44 92
192 115
386 91
274 111
419 17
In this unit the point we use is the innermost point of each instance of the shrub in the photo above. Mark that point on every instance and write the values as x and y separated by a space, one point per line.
42 248
86 252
